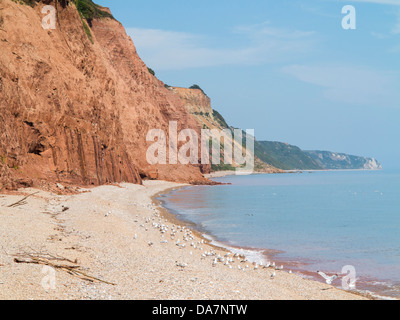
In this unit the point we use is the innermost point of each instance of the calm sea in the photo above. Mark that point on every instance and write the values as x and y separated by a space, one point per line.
307 221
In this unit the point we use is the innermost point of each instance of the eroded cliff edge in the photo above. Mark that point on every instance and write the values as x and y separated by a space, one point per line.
76 107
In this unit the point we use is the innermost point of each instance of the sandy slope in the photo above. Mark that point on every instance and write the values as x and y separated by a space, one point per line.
106 248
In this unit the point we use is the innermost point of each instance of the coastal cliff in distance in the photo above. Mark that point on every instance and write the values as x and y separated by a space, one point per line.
76 102
199 106
334 161
289 157
285 156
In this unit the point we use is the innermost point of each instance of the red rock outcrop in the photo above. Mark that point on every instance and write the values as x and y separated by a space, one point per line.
78 112
195 100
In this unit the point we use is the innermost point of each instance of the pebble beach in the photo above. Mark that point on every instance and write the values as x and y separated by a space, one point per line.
117 243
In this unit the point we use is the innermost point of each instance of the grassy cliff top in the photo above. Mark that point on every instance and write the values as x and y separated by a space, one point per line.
90 10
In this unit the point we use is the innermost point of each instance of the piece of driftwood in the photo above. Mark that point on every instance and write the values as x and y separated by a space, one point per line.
22 201
45 262
58 263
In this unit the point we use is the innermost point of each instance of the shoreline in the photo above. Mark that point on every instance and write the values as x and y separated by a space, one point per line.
222 174
266 254
210 239
256 255
333 170
118 235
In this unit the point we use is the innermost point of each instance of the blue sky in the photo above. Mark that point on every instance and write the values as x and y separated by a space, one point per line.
284 68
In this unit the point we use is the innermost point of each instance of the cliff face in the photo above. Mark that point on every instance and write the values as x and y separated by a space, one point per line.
75 111
285 156
289 157
195 101
198 105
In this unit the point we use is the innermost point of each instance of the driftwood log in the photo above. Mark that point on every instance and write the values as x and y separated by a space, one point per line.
22 201
59 263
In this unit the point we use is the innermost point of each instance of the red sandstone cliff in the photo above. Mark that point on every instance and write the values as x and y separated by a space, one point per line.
75 111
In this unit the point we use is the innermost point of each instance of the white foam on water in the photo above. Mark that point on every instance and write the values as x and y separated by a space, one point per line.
377 296
253 256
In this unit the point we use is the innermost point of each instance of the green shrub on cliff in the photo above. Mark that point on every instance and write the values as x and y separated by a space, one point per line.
284 156
27 2
89 10
222 167
197 87
87 30
220 119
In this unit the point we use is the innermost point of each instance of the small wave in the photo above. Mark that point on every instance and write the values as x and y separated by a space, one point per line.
252 255
377 296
